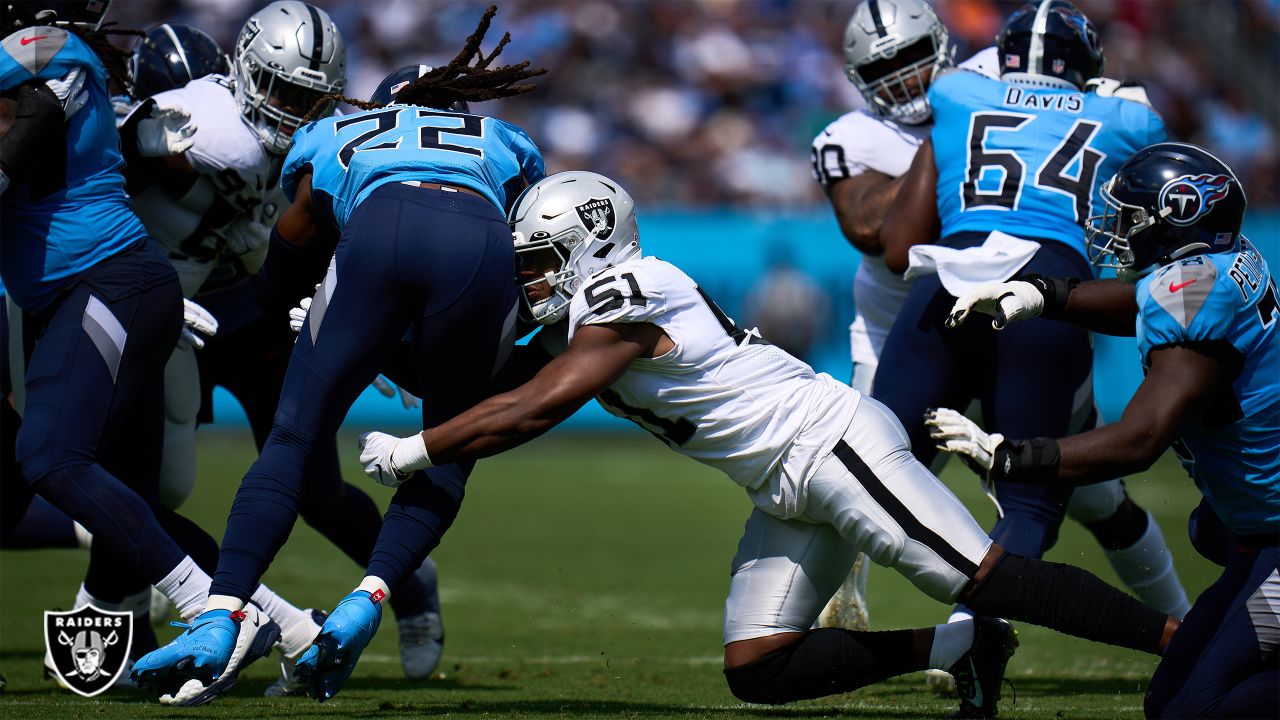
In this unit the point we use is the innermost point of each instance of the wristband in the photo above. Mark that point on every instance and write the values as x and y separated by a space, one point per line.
1053 290
1026 461
410 455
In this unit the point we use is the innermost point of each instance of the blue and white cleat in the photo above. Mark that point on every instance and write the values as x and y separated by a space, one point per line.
205 661
422 635
325 668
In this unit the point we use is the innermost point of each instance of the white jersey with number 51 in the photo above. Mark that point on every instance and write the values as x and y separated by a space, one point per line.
723 396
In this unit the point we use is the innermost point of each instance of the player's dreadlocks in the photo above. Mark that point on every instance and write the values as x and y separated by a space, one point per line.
458 80
115 59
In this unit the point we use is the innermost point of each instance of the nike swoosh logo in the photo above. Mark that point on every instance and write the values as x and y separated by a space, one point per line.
29 40
185 578
977 686
1175 288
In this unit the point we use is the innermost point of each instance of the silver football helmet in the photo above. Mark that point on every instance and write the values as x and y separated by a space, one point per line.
567 228
893 50
288 55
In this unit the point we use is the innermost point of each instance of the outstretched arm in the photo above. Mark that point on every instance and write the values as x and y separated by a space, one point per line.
913 219
861 204
1179 388
1109 306
598 356
297 255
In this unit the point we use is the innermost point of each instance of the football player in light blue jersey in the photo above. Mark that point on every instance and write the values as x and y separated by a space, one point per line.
102 310
1021 156
1207 320
411 198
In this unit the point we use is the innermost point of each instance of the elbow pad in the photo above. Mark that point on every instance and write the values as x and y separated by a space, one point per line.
35 147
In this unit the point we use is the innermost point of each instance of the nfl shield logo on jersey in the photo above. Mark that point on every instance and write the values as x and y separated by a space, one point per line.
88 647
1058 66
597 214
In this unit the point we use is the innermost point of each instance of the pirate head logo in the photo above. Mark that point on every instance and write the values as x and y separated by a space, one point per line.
88 647
597 214
1191 197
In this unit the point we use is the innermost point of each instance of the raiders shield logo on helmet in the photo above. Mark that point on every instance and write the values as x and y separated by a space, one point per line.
88 647
597 214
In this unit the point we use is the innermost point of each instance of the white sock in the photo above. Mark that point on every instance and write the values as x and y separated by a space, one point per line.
373 584
138 603
950 642
1146 568
187 586
960 614
223 602
297 631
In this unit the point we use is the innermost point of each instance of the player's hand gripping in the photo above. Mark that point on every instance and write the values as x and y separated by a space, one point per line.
167 132
390 460
959 435
197 324
1005 302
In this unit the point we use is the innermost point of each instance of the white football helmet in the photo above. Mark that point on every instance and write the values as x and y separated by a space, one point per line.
568 227
890 42
288 55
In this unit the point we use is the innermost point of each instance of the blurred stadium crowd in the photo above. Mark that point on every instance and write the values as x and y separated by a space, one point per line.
715 102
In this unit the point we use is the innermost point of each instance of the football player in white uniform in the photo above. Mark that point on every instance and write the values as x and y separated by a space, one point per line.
203 172
893 50
827 468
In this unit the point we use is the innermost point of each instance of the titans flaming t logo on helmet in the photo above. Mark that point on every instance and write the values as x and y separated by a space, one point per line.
1190 196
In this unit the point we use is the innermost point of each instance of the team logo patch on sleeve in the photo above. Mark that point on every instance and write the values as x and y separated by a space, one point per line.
1190 197
597 214
88 647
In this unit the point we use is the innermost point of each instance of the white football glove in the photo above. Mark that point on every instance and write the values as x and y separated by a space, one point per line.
959 435
245 235
1005 302
197 324
166 132
298 315
387 389
390 460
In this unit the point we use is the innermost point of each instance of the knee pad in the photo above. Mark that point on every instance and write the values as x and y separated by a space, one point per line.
1123 528
1094 503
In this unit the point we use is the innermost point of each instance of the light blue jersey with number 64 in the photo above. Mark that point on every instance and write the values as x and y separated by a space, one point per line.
1029 161
349 156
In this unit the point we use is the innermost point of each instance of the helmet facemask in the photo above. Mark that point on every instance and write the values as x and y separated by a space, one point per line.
546 259
895 81
1111 234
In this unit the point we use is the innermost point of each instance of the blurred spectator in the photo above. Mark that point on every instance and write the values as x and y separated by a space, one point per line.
788 307
714 102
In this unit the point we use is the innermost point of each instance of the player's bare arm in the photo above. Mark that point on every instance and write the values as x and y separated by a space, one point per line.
299 251
1179 389
913 218
861 203
1107 306
598 355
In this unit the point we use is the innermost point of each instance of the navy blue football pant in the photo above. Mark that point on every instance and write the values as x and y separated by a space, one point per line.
89 440
435 265
1224 662
250 362
1026 378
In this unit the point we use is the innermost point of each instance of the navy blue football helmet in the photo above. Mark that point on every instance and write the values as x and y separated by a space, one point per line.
385 94
172 55
1170 200
17 14
1054 40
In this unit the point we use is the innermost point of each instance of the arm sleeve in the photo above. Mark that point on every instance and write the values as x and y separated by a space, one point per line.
37 129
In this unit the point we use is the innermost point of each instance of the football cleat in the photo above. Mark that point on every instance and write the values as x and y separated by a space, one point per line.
326 667
288 684
422 635
205 661
979 673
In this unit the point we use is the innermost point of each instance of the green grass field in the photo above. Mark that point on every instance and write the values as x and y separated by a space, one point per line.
585 578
